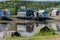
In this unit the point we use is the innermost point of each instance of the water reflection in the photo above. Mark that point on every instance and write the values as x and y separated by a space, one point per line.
4 27
25 29
28 29
55 26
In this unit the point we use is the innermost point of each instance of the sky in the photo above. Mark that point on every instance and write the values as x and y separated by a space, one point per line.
43 0
35 0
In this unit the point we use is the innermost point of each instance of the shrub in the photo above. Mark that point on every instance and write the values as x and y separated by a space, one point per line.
12 10
47 31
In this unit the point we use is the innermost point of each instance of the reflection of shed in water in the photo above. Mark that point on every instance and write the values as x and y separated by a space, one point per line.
29 29
5 30
4 26
55 26
25 29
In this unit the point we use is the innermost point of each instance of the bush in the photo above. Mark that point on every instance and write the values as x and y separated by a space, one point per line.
12 10
48 10
47 31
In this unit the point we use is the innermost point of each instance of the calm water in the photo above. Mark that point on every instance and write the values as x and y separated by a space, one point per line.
27 30
23 29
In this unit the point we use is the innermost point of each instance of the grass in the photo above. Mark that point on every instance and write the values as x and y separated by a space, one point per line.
37 36
49 37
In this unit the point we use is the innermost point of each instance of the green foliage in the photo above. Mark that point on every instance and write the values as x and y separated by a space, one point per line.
33 5
12 10
58 7
49 32
44 32
48 10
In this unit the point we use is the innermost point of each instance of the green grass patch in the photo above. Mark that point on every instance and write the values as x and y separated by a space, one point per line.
49 37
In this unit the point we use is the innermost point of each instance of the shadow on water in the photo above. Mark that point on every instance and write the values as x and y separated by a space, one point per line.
36 19
6 18
16 34
44 19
